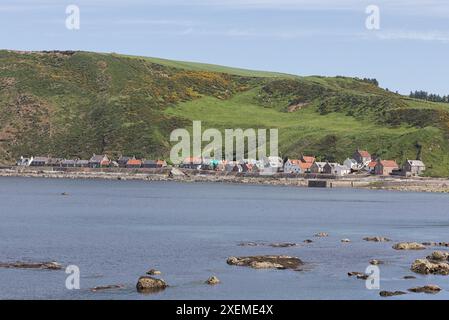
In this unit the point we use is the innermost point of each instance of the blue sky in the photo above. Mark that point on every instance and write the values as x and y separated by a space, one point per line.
304 37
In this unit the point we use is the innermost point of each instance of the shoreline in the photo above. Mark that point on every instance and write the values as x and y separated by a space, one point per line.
418 184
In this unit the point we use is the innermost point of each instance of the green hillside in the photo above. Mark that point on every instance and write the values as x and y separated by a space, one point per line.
73 104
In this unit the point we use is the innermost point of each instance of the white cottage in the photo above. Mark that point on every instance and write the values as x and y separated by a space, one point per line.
351 164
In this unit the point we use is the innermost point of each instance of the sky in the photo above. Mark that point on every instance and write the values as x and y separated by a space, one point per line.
409 50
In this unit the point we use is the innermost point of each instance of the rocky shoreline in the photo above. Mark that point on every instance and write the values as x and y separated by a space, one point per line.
439 185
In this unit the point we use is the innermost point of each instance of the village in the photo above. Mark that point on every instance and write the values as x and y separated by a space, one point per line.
360 163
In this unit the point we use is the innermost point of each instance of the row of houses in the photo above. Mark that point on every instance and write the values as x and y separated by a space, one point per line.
361 161
268 164
96 161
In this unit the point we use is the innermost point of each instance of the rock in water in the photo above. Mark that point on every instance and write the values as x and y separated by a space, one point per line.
32 265
345 240
149 284
266 262
358 275
283 245
432 289
424 266
250 244
391 293
439 256
213 280
409 277
113 286
153 272
322 235
376 262
376 239
409 246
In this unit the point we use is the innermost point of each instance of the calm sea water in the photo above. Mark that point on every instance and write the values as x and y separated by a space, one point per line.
114 231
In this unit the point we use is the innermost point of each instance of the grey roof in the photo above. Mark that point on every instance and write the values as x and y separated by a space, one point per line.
97 158
40 159
416 163
68 161
124 158
82 161
149 162
320 164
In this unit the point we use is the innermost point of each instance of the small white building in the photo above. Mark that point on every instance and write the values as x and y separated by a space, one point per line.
351 164
292 166
24 162
342 170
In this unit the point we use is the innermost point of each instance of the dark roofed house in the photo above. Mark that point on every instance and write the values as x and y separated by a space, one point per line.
386 167
98 161
317 167
330 167
362 157
82 163
149 164
122 161
68 163
414 167
39 162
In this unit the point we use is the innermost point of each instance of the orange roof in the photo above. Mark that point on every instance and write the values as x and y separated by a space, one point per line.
372 164
134 162
295 162
308 159
389 163
193 160
364 154
305 165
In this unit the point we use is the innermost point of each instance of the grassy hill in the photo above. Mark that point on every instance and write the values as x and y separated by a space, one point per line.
73 104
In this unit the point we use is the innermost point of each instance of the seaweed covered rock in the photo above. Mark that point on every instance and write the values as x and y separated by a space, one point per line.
32 265
424 266
148 284
391 293
213 280
376 239
439 256
266 262
409 246
432 289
